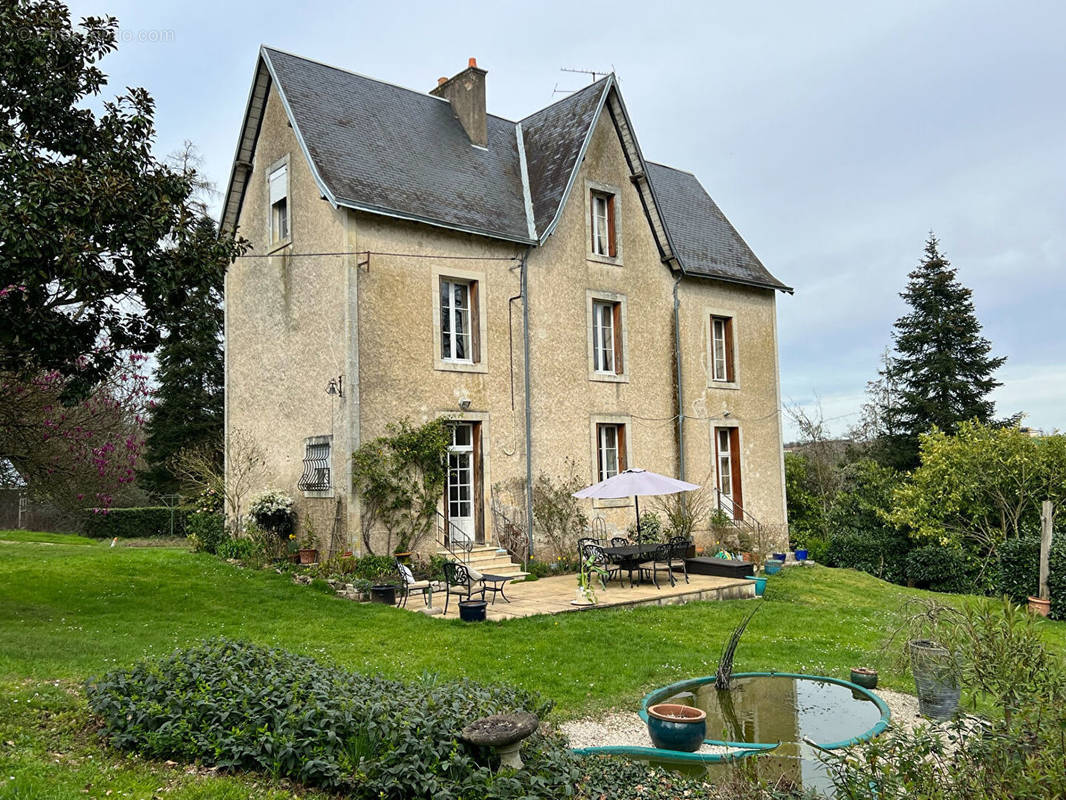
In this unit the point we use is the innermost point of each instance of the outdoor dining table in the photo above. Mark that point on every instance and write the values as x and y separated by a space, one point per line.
629 556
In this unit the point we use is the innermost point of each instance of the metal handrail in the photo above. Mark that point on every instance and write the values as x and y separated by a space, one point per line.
746 518
445 540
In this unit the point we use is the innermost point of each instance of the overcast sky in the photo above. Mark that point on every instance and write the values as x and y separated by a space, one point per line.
835 136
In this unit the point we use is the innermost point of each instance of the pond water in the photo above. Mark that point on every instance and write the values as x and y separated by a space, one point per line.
784 709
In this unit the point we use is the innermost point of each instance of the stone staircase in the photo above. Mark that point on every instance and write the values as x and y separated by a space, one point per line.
490 560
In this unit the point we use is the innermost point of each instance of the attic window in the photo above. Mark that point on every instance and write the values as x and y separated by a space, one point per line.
278 182
603 224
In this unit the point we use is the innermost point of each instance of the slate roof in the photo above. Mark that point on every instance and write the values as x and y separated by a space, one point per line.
553 138
704 241
384 149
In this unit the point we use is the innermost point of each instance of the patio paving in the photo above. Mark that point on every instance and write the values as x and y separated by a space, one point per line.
553 596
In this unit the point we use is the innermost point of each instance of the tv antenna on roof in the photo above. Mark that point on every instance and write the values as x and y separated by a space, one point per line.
595 73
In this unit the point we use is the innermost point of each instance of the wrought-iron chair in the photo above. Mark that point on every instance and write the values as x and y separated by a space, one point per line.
679 546
597 555
410 584
459 581
598 529
619 541
660 560
584 540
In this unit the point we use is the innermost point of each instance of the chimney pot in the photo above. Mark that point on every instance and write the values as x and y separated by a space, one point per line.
441 81
473 62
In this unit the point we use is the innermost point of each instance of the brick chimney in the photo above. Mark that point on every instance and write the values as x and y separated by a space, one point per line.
466 93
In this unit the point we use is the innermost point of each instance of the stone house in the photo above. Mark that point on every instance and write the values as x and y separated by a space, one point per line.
571 305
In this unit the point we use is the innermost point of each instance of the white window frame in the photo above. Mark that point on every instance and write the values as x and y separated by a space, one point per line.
719 355
598 247
274 239
603 333
714 349
618 372
724 456
449 314
601 245
603 449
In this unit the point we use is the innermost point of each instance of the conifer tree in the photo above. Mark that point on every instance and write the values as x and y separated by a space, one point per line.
942 370
188 408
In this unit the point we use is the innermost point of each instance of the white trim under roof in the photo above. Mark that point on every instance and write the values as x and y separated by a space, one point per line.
527 197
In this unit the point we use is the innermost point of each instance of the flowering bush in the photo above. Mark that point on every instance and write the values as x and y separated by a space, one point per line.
74 450
272 511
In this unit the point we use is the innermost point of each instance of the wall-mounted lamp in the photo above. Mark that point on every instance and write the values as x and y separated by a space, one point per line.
464 404
336 386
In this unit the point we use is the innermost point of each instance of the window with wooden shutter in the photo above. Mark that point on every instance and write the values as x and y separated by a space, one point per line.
727 469
460 321
612 242
607 338
723 367
611 454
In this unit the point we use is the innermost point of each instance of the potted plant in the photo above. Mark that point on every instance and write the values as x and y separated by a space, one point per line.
587 570
933 632
308 544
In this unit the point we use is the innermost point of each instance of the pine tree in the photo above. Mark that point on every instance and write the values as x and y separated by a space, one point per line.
941 369
188 410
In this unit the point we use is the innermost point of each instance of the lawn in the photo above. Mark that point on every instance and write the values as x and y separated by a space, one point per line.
70 608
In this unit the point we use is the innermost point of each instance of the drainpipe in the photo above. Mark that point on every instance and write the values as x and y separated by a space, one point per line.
680 398
529 403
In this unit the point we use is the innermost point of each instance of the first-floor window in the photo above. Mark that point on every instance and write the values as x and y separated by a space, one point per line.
459 321
607 337
610 450
317 472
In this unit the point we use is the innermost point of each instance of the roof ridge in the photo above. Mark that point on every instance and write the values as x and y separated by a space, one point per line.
570 96
667 166
371 78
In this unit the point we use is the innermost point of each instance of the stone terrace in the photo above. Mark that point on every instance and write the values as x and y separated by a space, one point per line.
553 596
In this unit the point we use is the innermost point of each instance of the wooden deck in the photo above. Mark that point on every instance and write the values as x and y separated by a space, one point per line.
553 596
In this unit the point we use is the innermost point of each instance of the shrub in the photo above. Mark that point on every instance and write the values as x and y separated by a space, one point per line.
1018 568
942 569
239 549
241 706
135 523
879 553
207 532
651 527
1057 575
272 511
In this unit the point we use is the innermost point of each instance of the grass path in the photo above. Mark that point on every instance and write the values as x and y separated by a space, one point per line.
71 607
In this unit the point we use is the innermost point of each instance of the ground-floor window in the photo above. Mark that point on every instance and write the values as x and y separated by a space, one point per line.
727 469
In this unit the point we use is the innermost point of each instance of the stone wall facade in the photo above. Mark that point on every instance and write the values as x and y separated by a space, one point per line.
295 323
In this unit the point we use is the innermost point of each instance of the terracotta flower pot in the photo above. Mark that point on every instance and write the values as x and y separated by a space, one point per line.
308 556
1039 606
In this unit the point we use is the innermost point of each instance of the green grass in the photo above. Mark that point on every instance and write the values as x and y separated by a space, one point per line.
71 607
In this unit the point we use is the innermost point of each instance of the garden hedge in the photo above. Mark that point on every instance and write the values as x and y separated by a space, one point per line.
135 523
240 706
1018 568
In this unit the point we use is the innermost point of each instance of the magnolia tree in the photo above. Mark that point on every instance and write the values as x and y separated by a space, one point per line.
75 454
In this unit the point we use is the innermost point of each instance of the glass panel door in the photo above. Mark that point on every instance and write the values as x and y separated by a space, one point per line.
459 492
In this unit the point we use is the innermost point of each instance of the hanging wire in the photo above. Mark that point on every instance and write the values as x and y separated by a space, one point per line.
369 253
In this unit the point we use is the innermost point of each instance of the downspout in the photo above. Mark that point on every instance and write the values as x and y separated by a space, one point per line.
680 398
529 403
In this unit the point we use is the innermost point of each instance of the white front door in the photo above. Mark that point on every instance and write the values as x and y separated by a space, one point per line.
459 494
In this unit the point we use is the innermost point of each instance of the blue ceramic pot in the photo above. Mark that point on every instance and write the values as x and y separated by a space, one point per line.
677 727
779 557
760 584
801 555
772 567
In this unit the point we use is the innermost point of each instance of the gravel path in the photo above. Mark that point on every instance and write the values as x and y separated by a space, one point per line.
618 729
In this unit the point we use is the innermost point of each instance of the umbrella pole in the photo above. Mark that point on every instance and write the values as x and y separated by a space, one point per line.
636 499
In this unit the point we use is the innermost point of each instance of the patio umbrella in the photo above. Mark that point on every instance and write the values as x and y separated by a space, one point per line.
635 483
